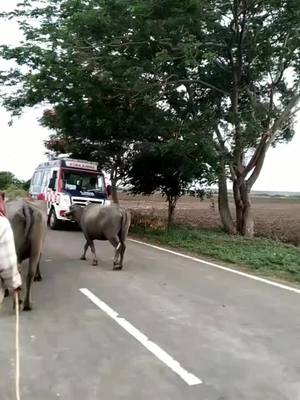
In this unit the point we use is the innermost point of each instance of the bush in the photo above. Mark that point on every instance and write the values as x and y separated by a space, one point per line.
147 220
15 192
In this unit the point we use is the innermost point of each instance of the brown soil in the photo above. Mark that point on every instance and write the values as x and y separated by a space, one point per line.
274 218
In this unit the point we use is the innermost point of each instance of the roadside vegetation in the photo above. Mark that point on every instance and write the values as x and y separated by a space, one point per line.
260 256
14 192
12 186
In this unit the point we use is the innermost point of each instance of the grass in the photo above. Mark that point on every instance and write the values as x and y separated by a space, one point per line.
262 256
14 192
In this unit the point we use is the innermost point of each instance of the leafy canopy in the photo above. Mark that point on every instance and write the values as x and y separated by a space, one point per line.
220 73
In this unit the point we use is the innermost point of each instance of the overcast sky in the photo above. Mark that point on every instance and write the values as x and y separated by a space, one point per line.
22 146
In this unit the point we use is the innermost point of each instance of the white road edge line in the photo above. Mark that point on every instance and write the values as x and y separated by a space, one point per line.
163 356
234 271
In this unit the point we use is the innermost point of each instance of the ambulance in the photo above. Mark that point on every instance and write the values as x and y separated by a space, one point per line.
63 182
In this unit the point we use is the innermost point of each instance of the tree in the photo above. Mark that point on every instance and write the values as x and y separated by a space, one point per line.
169 168
237 63
96 94
26 185
8 179
259 45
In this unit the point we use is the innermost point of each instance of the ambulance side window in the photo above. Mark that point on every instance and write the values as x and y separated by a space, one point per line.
39 181
36 182
45 180
48 178
52 182
32 184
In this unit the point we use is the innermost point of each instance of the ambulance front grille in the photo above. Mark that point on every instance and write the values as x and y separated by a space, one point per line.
84 202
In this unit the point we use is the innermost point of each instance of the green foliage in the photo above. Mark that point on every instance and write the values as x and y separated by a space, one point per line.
8 179
104 66
100 101
261 256
112 55
26 185
168 168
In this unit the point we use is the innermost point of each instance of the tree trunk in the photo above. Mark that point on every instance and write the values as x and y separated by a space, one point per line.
224 209
248 220
171 211
238 205
114 189
114 193
244 216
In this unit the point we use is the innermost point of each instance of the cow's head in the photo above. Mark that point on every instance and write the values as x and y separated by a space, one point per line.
75 212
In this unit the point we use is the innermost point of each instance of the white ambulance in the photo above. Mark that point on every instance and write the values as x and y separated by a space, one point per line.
63 182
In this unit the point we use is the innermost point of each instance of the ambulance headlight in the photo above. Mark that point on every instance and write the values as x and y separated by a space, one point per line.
65 200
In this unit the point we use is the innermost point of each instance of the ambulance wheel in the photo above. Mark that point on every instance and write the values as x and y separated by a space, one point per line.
54 223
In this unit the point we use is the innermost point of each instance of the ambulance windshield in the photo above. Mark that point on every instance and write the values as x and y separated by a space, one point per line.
82 181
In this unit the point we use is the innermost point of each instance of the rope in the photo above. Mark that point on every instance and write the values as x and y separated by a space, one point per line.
17 346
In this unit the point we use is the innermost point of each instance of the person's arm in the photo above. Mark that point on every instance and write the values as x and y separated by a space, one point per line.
8 259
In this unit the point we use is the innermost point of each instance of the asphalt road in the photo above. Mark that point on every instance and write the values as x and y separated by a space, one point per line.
239 336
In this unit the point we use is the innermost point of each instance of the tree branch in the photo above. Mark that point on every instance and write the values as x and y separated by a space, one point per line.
191 99
258 158
220 137
284 116
256 155
232 172
258 167
207 84
268 137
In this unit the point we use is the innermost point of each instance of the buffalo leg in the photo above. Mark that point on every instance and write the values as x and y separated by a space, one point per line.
32 268
122 252
38 276
92 246
86 246
117 245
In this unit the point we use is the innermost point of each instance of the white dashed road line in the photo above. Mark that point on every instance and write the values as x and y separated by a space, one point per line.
162 355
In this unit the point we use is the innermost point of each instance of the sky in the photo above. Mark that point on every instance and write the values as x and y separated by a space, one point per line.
22 148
